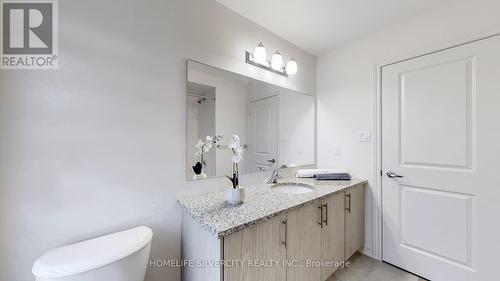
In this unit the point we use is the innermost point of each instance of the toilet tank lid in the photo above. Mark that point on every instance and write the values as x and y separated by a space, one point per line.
91 254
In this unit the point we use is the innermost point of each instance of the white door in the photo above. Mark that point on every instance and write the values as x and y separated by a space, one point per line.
441 134
263 134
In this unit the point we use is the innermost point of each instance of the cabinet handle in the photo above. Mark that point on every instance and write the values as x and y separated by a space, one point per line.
326 209
286 235
321 215
349 202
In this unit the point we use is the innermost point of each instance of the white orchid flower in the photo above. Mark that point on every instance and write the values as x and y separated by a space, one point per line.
236 158
235 142
207 147
199 144
236 148
199 147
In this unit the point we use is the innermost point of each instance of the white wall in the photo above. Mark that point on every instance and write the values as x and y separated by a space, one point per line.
230 119
257 91
297 129
99 145
346 80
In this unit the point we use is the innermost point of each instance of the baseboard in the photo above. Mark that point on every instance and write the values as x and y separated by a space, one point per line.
367 252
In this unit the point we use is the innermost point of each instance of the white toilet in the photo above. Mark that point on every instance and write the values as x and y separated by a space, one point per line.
121 256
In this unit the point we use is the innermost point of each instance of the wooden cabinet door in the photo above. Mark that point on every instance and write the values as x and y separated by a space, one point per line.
333 234
354 220
304 242
261 242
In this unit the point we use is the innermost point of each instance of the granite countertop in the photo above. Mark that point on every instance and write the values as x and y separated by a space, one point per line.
261 203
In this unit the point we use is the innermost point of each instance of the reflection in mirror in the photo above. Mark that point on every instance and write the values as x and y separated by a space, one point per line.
276 126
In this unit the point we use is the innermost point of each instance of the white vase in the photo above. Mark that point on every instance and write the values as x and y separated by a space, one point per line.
200 176
234 196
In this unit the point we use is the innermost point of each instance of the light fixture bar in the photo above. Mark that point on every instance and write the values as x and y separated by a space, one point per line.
249 60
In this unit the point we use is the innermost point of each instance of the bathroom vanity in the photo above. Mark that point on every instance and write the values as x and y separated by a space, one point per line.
275 234
299 229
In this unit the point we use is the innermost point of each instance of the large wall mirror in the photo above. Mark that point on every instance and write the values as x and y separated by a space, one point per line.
276 126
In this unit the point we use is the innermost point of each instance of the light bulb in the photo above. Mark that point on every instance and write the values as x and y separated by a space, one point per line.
291 66
259 55
277 61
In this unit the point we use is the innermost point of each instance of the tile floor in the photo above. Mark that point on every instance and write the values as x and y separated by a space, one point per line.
364 268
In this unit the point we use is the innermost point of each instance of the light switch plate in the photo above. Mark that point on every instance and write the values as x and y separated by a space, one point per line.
365 136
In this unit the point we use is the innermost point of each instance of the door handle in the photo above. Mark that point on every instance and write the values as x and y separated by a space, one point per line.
394 175
272 161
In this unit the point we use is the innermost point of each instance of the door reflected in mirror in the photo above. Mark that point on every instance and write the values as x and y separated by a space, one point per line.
276 126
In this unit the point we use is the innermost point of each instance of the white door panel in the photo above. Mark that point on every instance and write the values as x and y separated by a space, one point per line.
441 132
433 98
452 222
263 133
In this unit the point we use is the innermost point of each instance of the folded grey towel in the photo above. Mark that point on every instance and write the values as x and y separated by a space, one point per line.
333 177
310 173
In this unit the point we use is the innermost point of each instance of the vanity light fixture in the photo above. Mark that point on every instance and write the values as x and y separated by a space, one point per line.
276 64
277 61
291 66
259 55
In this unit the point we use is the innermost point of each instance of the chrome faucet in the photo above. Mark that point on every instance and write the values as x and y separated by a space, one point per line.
274 177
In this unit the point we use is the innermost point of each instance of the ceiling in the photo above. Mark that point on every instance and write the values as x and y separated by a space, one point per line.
318 26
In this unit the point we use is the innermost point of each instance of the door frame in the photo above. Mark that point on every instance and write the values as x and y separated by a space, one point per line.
377 188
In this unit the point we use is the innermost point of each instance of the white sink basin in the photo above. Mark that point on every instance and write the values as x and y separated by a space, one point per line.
292 188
